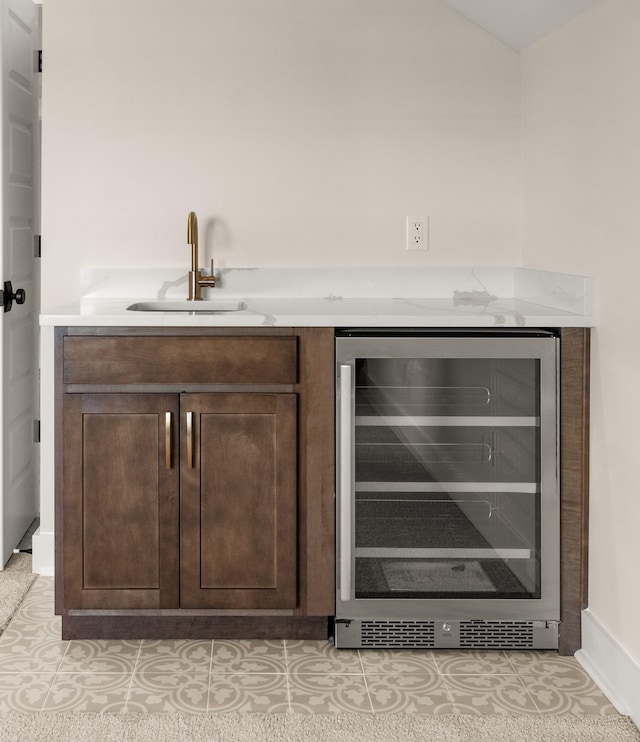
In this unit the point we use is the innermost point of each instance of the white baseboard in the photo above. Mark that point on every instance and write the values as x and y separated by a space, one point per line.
43 545
610 665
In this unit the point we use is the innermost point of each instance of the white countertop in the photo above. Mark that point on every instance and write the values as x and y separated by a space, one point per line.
345 297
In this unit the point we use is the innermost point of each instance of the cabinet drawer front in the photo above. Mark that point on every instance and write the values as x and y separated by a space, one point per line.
177 360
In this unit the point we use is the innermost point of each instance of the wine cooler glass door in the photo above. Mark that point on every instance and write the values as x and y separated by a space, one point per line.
449 489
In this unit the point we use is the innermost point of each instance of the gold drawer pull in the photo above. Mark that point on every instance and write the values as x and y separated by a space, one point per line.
190 440
167 440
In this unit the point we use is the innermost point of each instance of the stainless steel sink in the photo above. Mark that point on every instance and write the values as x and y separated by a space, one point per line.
187 307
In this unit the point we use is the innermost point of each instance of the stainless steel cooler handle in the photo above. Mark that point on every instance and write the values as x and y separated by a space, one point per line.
345 482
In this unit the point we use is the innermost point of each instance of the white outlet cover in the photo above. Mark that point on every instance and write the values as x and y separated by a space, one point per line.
412 230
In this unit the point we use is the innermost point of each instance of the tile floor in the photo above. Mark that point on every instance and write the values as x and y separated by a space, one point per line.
39 672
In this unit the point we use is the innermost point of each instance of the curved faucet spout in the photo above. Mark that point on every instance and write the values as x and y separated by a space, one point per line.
192 238
196 280
192 228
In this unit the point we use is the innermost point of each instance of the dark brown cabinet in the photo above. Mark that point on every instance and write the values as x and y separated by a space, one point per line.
195 484
238 501
148 546
120 502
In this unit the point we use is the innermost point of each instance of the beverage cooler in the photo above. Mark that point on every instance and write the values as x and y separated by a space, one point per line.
447 489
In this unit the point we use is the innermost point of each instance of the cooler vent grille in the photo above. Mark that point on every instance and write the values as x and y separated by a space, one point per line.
504 634
472 634
397 634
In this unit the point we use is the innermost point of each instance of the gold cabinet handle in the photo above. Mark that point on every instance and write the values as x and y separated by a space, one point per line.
167 440
190 440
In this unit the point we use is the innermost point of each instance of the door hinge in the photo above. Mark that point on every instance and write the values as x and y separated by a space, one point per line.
37 246
36 431
39 60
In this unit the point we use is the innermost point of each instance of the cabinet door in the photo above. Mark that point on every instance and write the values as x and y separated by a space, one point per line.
120 503
238 501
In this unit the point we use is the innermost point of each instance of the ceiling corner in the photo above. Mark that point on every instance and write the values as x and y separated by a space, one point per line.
519 23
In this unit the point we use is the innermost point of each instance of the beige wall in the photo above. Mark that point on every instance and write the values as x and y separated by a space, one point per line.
307 130
581 144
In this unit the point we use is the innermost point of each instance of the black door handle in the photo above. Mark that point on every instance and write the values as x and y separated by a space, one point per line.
9 296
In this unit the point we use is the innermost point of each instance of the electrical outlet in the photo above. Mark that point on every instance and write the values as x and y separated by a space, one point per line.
417 233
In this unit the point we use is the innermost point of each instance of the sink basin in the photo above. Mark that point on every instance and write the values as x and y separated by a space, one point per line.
188 307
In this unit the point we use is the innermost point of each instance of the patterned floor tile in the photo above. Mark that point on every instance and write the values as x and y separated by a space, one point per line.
397 661
24 692
489 694
38 606
250 693
28 655
39 671
180 656
321 657
541 662
567 693
248 656
85 693
43 586
168 693
29 627
423 693
34 621
328 694
472 662
100 655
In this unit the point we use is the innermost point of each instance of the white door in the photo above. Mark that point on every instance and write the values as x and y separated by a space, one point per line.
18 329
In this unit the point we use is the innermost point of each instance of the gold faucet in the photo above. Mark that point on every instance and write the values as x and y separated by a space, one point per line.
196 280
